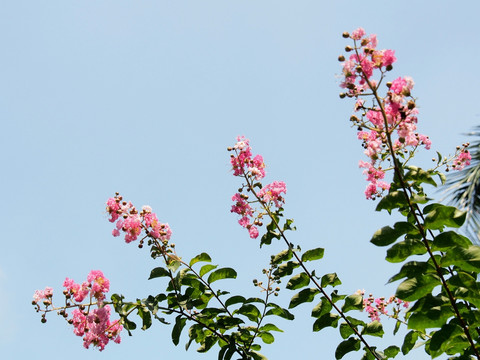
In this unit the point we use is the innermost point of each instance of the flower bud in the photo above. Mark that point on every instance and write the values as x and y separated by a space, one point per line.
341 58
389 68
346 34
342 95
365 42
348 48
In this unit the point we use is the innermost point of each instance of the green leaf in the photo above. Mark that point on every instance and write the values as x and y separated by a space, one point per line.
346 346
146 318
387 235
403 249
207 344
173 265
159 272
441 337
374 328
409 342
200 257
391 351
394 200
448 240
282 256
223 273
412 269
287 225
429 312
266 337
353 302
438 216
335 296
345 330
314 254
306 295
415 288
177 328
206 269
418 175
250 311
326 320
286 269
129 325
298 281
270 327
322 308
279 311
467 259
234 300
330 279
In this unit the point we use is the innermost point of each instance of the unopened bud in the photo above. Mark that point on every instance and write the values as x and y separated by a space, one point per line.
342 95
389 68
365 42
341 58
346 34
411 104
389 84
348 48
43 320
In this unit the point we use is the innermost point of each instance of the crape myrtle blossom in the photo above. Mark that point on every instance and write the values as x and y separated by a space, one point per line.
462 160
375 307
393 116
91 320
253 169
43 295
132 223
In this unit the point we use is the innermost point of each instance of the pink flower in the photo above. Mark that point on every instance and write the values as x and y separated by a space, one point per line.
99 284
253 231
358 34
42 294
79 292
132 227
112 208
96 327
271 192
462 160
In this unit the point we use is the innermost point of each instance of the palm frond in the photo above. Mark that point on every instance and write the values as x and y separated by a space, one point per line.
463 189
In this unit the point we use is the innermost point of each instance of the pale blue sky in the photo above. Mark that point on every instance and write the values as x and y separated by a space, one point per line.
143 97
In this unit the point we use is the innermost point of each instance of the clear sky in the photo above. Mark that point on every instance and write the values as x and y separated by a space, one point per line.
144 97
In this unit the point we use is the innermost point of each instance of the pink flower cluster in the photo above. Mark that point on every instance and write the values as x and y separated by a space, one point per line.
243 163
95 327
397 113
96 286
360 65
462 160
252 169
43 295
378 306
130 222
272 193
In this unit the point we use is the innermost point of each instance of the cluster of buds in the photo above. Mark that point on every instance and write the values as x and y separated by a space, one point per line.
462 158
92 324
131 222
375 307
389 124
253 170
